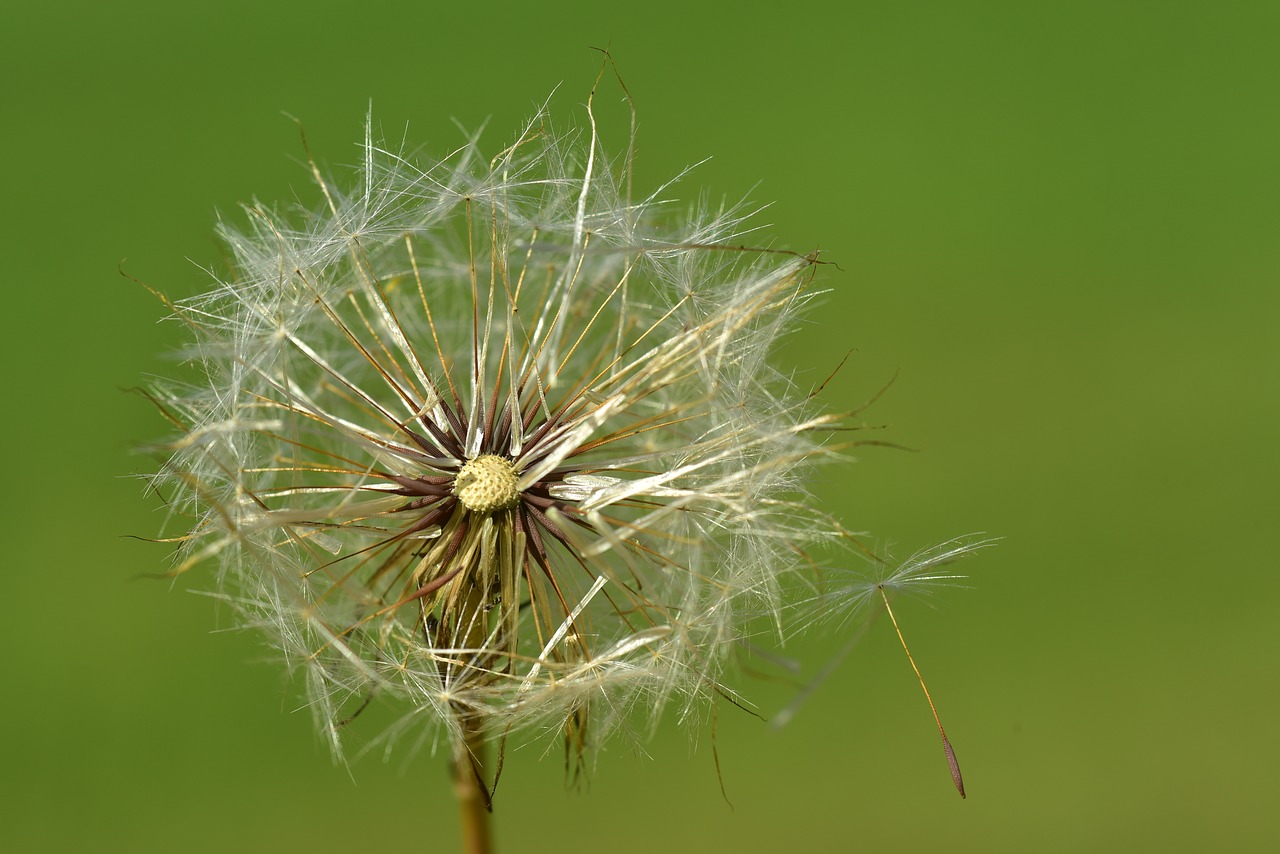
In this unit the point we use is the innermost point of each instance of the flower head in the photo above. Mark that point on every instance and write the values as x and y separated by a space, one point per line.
487 436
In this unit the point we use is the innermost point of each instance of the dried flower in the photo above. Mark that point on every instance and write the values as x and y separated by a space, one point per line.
490 437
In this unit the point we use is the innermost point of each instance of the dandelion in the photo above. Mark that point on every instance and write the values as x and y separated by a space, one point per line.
489 439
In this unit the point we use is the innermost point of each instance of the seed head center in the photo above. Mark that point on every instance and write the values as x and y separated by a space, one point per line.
487 483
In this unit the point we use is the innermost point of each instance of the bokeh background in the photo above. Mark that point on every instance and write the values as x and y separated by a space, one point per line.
1057 223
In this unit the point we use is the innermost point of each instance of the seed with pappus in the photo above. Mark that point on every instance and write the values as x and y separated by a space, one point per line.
489 440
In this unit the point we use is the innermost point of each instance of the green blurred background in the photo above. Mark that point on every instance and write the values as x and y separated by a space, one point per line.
1057 222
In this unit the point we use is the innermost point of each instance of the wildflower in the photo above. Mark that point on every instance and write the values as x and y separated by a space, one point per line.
488 435
489 438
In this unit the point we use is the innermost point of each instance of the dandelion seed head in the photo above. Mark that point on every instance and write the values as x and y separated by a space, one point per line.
487 438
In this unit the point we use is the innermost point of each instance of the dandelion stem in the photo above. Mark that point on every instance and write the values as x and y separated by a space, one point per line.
473 799
474 802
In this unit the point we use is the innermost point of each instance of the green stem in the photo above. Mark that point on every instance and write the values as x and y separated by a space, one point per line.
474 804
473 800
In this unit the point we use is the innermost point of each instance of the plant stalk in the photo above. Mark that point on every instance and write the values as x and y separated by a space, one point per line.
473 798
474 803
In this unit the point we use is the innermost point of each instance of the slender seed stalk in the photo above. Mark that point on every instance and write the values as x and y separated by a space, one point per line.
952 762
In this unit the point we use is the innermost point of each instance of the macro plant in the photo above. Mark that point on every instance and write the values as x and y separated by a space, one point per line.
492 441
